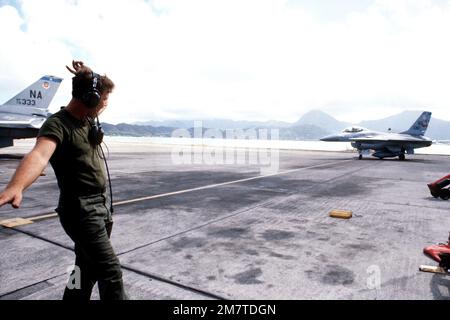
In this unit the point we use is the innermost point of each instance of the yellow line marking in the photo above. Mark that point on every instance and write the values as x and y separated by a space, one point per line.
52 215
222 184
15 222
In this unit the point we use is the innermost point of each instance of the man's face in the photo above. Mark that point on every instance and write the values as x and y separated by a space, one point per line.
103 101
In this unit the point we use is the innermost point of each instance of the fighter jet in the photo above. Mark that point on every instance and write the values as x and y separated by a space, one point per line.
22 116
386 145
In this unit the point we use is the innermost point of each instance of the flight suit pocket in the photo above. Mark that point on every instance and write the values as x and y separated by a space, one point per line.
93 207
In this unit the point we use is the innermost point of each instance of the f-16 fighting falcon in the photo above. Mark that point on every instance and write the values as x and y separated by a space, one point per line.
22 116
386 144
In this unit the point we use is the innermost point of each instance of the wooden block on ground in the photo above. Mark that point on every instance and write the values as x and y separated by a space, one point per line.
15 222
433 269
342 214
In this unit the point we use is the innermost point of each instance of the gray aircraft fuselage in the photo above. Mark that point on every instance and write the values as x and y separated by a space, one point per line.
22 116
386 144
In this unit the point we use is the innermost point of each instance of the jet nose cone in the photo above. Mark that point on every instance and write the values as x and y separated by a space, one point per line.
329 138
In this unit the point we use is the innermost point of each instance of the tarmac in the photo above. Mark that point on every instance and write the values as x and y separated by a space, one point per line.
230 231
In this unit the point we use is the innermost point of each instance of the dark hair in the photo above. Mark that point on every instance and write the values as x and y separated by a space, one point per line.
82 81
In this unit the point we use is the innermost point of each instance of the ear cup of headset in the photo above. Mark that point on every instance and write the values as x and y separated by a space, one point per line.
92 97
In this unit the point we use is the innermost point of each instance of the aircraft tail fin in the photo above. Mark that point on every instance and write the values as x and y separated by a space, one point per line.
420 126
35 99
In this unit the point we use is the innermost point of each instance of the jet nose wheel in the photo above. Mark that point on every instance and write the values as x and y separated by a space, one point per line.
360 157
401 157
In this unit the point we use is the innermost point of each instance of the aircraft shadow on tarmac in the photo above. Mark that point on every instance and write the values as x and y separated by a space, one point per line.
380 160
397 160
11 156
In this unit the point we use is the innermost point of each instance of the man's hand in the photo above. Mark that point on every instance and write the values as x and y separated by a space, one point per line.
28 171
11 195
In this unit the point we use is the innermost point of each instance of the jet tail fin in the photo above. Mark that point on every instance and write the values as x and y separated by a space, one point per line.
420 126
35 99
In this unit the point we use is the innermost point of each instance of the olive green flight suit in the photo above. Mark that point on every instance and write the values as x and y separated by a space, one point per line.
83 208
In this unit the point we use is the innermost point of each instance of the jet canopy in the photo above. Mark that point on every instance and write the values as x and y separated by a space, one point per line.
353 129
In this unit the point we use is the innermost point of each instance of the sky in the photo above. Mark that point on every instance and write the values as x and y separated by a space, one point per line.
236 59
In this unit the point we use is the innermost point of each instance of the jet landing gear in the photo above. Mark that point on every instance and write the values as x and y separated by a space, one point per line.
362 153
401 156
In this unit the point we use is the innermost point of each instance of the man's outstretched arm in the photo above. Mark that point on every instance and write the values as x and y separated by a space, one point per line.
28 171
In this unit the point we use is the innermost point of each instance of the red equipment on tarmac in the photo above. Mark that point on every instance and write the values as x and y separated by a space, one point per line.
438 189
439 253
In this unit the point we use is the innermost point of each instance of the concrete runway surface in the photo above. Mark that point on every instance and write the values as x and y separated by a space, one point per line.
225 231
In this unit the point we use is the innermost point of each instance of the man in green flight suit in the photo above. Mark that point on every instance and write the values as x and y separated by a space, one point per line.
70 140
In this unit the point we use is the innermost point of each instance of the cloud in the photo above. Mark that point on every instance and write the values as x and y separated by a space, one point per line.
252 59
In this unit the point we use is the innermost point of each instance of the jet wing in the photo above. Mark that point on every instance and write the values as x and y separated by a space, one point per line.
20 121
389 138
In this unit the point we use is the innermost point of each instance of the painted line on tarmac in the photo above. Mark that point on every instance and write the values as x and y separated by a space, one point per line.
157 277
211 186
224 183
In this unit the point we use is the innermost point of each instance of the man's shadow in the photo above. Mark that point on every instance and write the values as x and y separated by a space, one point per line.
440 287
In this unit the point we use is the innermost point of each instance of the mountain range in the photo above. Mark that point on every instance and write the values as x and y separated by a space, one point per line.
311 126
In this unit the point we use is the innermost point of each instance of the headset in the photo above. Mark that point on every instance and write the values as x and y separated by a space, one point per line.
91 98
96 133
95 137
